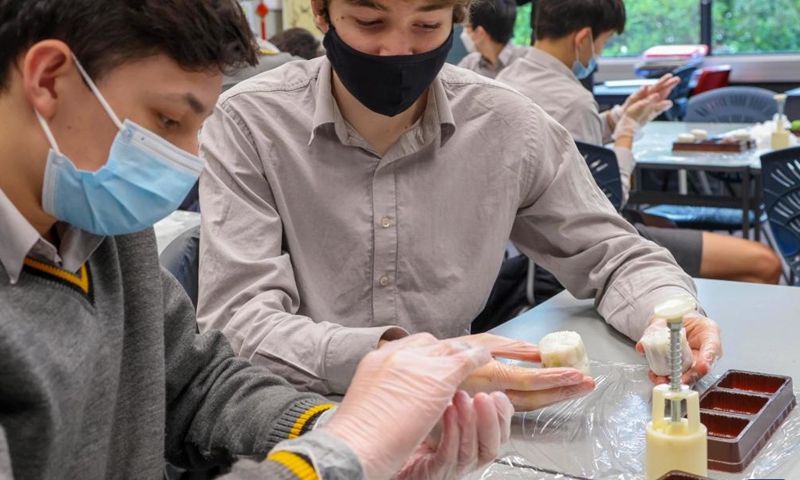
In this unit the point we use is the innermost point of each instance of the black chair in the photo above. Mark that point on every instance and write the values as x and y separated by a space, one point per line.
182 258
781 193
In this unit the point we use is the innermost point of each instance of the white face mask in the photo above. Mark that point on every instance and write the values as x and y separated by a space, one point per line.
467 41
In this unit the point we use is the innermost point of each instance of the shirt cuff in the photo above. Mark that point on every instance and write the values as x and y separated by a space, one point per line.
632 318
320 453
347 347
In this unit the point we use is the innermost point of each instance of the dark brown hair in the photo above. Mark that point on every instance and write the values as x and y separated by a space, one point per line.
197 34
297 41
558 18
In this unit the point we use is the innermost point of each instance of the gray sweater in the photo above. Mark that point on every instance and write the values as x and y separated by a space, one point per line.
103 376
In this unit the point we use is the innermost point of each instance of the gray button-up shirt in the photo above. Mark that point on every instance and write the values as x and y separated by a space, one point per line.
313 245
548 82
18 239
479 64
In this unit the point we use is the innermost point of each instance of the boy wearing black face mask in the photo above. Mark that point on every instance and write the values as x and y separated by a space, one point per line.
351 199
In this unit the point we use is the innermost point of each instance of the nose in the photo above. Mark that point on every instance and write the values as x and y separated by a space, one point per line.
395 43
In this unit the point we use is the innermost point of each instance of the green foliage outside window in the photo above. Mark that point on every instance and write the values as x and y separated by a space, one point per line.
739 26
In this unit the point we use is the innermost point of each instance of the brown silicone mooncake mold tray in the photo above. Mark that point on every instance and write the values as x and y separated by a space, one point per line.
741 411
676 475
715 146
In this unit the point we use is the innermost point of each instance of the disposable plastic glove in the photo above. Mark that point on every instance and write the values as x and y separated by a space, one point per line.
471 434
640 114
399 392
527 388
662 88
705 340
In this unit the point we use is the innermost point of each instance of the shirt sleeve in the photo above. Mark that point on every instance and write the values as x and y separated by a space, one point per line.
607 133
566 225
627 164
220 406
247 284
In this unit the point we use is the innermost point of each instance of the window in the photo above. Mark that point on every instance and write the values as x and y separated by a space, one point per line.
755 26
737 26
656 22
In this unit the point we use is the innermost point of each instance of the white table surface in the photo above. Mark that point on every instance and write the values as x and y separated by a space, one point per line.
760 324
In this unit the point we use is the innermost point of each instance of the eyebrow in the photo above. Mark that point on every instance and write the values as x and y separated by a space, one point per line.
188 98
429 7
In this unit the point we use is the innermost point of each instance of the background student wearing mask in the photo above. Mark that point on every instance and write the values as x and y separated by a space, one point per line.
341 211
570 35
102 373
487 36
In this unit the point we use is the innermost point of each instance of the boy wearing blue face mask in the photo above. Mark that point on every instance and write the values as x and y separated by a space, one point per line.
487 36
102 372
568 32
351 199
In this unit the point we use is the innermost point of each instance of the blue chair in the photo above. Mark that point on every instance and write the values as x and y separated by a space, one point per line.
780 171
680 94
732 105
603 164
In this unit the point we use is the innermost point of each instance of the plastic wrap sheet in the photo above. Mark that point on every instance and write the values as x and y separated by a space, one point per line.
602 436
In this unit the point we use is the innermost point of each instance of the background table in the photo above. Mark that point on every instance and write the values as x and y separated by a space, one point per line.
654 151
760 332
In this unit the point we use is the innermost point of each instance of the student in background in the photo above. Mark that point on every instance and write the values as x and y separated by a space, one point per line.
352 199
570 36
102 372
487 35
298 42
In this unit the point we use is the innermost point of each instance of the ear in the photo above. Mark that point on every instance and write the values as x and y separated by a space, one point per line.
480 33
43 65
321 16
581 35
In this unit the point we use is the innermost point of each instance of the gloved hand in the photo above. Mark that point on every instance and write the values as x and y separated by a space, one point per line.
640 114
472 432
662 88
705 339
527 388
396 397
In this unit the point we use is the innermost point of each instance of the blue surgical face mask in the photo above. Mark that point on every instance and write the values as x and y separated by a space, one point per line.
144 180
579 69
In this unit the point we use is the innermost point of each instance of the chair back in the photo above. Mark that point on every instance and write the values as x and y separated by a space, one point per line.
182 259
712 78
603 164
780 184
732 105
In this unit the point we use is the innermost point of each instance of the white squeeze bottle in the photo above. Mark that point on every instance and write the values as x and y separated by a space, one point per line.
674 442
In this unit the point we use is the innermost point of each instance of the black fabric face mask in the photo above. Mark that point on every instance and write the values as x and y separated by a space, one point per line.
387 85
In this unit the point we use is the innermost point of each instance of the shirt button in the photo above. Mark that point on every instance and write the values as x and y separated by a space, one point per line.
384 281
385 222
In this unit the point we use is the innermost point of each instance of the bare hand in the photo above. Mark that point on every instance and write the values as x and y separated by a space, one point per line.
705 340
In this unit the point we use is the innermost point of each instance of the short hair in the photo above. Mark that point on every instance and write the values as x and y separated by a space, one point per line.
497 17
558 18
460 9
297 41
197 34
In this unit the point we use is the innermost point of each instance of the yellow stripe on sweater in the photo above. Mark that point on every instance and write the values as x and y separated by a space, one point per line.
297 429
81 281
296 464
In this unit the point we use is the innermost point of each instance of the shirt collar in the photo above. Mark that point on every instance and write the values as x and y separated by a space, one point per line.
22 240
326 112
506 55
547 61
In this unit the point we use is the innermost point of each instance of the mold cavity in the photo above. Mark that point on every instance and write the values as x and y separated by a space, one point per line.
733 402
752 382
723 427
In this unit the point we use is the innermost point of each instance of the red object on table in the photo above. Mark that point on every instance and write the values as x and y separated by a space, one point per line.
262 11
712 78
